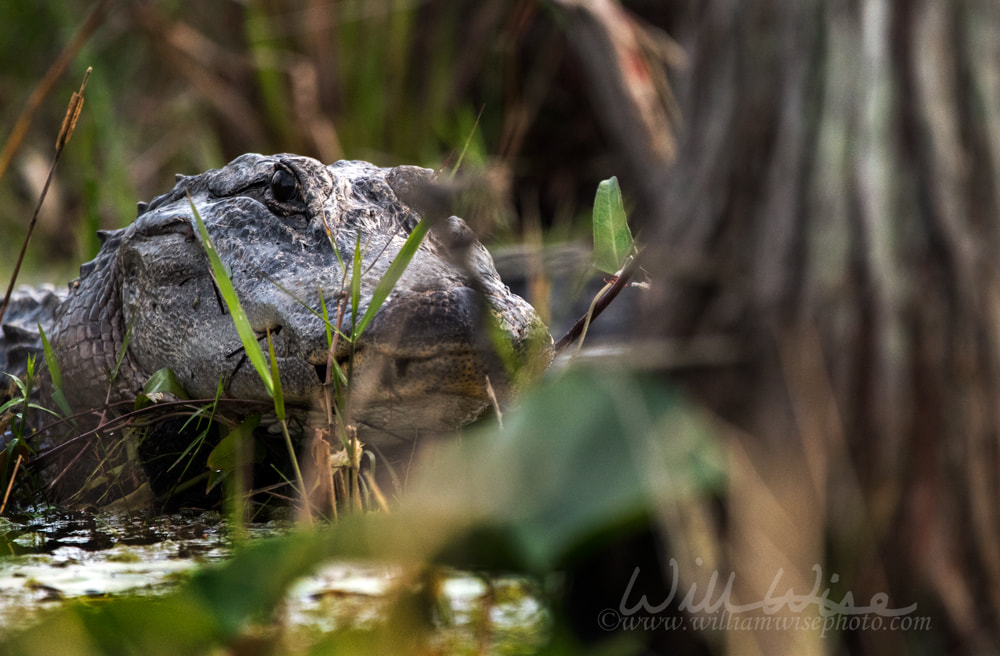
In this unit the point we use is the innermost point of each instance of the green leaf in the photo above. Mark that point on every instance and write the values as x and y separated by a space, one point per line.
165 380
612 237
162 381
223 456
392 275
240 320
41 408
10 404
21 384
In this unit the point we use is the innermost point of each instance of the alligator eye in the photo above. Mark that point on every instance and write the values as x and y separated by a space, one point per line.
284 186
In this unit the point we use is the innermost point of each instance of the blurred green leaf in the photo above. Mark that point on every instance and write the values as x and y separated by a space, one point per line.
581 458
213 607
612 237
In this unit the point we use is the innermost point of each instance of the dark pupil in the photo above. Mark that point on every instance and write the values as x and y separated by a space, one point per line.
283 186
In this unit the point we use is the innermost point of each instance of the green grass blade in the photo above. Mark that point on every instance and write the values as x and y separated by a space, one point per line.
228 292
465 148
277 394
612 238
325 315
50 359
392 275
55 374
123 350
305 306
356 281
41 408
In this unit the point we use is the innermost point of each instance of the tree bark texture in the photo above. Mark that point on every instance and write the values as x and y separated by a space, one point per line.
832 209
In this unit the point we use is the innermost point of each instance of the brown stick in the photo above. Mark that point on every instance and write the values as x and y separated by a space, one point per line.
621 281
68 125
10 485
37 96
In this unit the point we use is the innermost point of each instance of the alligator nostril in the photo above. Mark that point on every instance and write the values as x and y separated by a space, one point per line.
401 365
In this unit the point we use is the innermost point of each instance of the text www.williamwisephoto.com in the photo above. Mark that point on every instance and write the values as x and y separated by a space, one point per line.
780 609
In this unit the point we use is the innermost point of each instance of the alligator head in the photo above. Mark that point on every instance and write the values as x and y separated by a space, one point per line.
286 228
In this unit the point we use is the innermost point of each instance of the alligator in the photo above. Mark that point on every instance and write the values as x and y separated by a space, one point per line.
444 344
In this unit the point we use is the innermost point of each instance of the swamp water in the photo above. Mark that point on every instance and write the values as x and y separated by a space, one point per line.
52 557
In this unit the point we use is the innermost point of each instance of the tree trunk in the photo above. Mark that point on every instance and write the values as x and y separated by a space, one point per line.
832 211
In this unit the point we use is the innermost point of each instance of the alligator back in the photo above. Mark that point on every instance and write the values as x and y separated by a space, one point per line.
29 307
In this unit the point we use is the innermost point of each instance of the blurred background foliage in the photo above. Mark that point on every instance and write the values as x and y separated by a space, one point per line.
180 87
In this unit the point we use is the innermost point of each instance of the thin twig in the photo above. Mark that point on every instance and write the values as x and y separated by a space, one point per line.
377 493
493 401
618 284
13 477
55 481
124 419
68 125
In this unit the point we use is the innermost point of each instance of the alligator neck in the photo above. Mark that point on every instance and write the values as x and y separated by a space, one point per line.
89 332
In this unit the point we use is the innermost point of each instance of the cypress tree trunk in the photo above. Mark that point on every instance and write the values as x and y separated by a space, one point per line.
832 215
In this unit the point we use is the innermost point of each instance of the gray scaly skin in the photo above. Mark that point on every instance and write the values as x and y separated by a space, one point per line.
421 364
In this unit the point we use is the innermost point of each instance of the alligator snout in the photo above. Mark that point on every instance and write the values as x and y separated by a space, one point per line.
425 346
424 362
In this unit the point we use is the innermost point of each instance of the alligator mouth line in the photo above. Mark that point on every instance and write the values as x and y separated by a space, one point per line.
381 373
319 365
340 362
